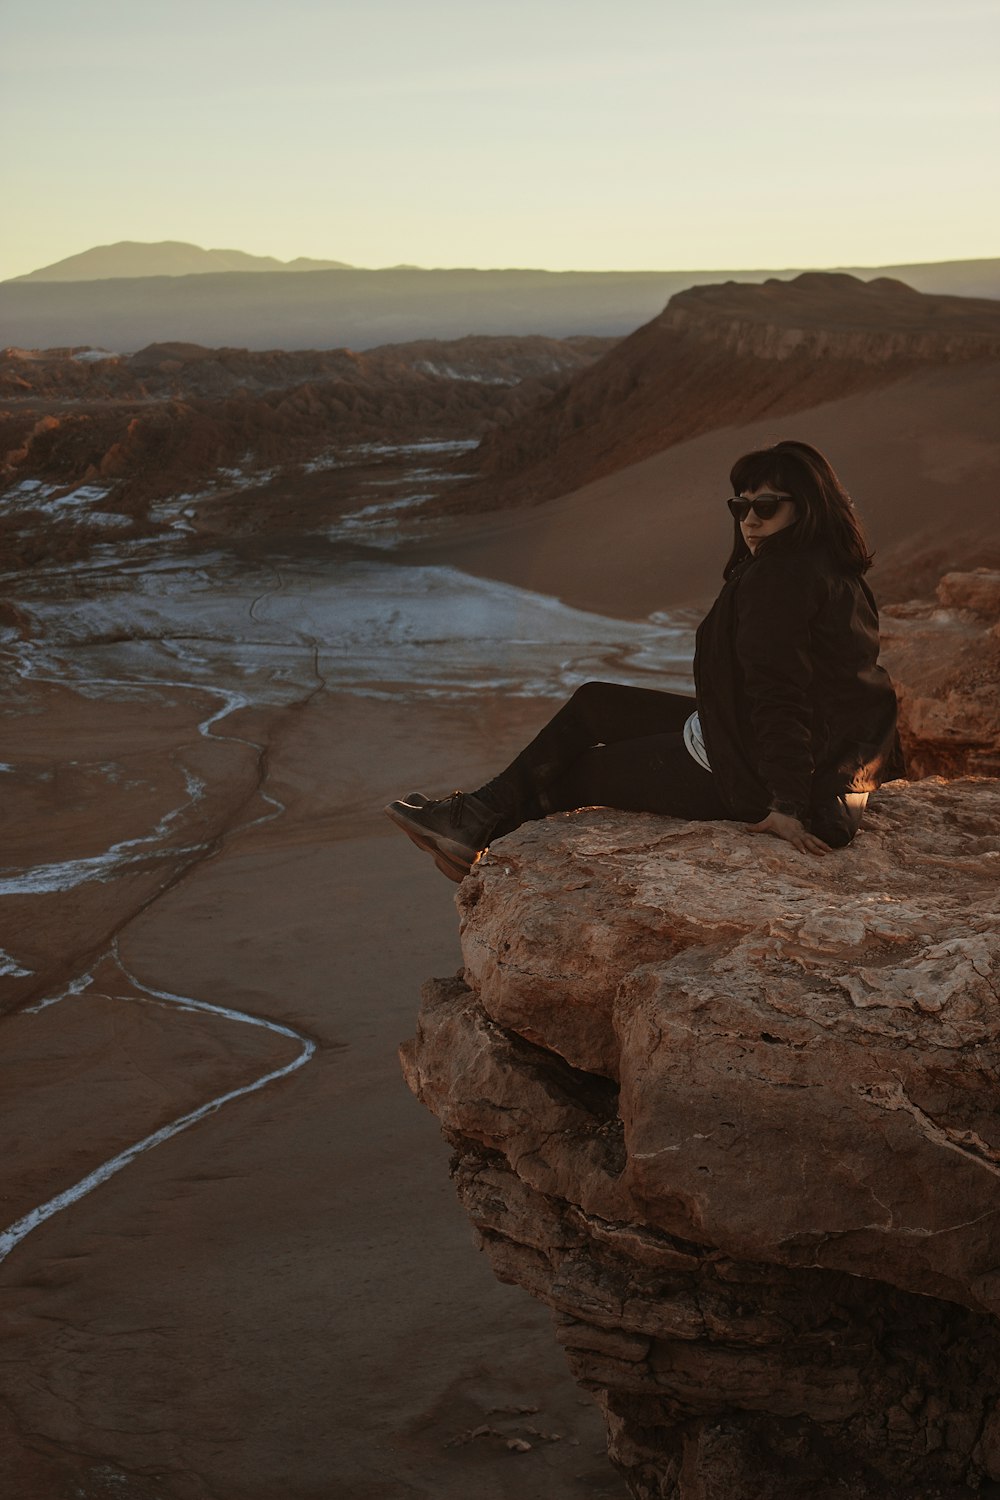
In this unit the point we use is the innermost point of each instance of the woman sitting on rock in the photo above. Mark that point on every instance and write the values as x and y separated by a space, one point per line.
793 722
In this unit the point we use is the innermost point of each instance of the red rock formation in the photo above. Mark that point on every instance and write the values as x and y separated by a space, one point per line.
186 370
721 355
166 418
732 1113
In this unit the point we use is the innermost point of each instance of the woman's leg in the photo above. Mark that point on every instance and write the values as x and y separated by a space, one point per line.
598 713
655 773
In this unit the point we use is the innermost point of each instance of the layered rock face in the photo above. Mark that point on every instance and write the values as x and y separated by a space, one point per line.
721 355
731 1111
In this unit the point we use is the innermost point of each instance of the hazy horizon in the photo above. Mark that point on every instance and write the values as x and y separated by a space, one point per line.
569 138
282 264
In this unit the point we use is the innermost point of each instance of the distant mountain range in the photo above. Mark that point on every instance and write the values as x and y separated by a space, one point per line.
131 258
80 302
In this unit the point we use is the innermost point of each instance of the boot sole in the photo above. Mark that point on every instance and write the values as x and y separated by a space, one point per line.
455 869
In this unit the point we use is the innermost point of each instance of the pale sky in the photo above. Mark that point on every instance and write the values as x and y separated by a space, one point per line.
567 134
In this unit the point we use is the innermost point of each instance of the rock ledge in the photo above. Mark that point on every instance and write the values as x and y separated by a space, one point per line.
731 1111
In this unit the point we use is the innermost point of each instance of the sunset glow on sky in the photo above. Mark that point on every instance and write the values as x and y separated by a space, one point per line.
566 134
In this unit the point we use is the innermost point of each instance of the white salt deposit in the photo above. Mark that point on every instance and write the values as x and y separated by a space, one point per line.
365 626
12 1236
477 377
65 875
420 445
375 525
33 494
10 968
86 494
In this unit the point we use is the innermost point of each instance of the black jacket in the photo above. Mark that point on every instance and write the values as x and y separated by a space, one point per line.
794 708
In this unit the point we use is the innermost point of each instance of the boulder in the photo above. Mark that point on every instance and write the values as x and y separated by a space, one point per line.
944 657
731 1111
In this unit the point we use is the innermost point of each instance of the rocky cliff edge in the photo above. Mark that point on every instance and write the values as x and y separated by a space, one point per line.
731 1111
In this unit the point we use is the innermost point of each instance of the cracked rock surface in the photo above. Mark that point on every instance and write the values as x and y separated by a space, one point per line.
731 1111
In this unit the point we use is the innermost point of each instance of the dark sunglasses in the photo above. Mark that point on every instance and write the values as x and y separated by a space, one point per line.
763 509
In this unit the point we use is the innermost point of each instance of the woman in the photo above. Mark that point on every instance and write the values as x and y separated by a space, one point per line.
793 723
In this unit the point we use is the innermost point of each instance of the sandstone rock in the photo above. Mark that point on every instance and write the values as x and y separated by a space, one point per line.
944 658
978 592
731 1111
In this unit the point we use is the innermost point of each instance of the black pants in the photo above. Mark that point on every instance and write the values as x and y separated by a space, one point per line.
609 746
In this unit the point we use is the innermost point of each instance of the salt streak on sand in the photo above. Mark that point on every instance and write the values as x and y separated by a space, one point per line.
66 874
63 875
398 668
370 627
11 1237
364 617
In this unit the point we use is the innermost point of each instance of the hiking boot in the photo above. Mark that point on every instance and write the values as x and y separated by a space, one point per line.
455 829
449 867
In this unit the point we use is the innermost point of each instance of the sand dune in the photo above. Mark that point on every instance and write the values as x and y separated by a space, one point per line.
727 355
920 457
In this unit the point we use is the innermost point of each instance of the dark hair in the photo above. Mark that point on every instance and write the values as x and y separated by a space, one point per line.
826 516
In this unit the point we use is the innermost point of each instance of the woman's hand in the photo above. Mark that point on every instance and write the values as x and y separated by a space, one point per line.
790 829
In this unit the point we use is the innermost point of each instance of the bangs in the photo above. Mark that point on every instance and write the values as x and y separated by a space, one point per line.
755 470
826 516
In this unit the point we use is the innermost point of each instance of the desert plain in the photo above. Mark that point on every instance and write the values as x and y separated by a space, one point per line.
233 1265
